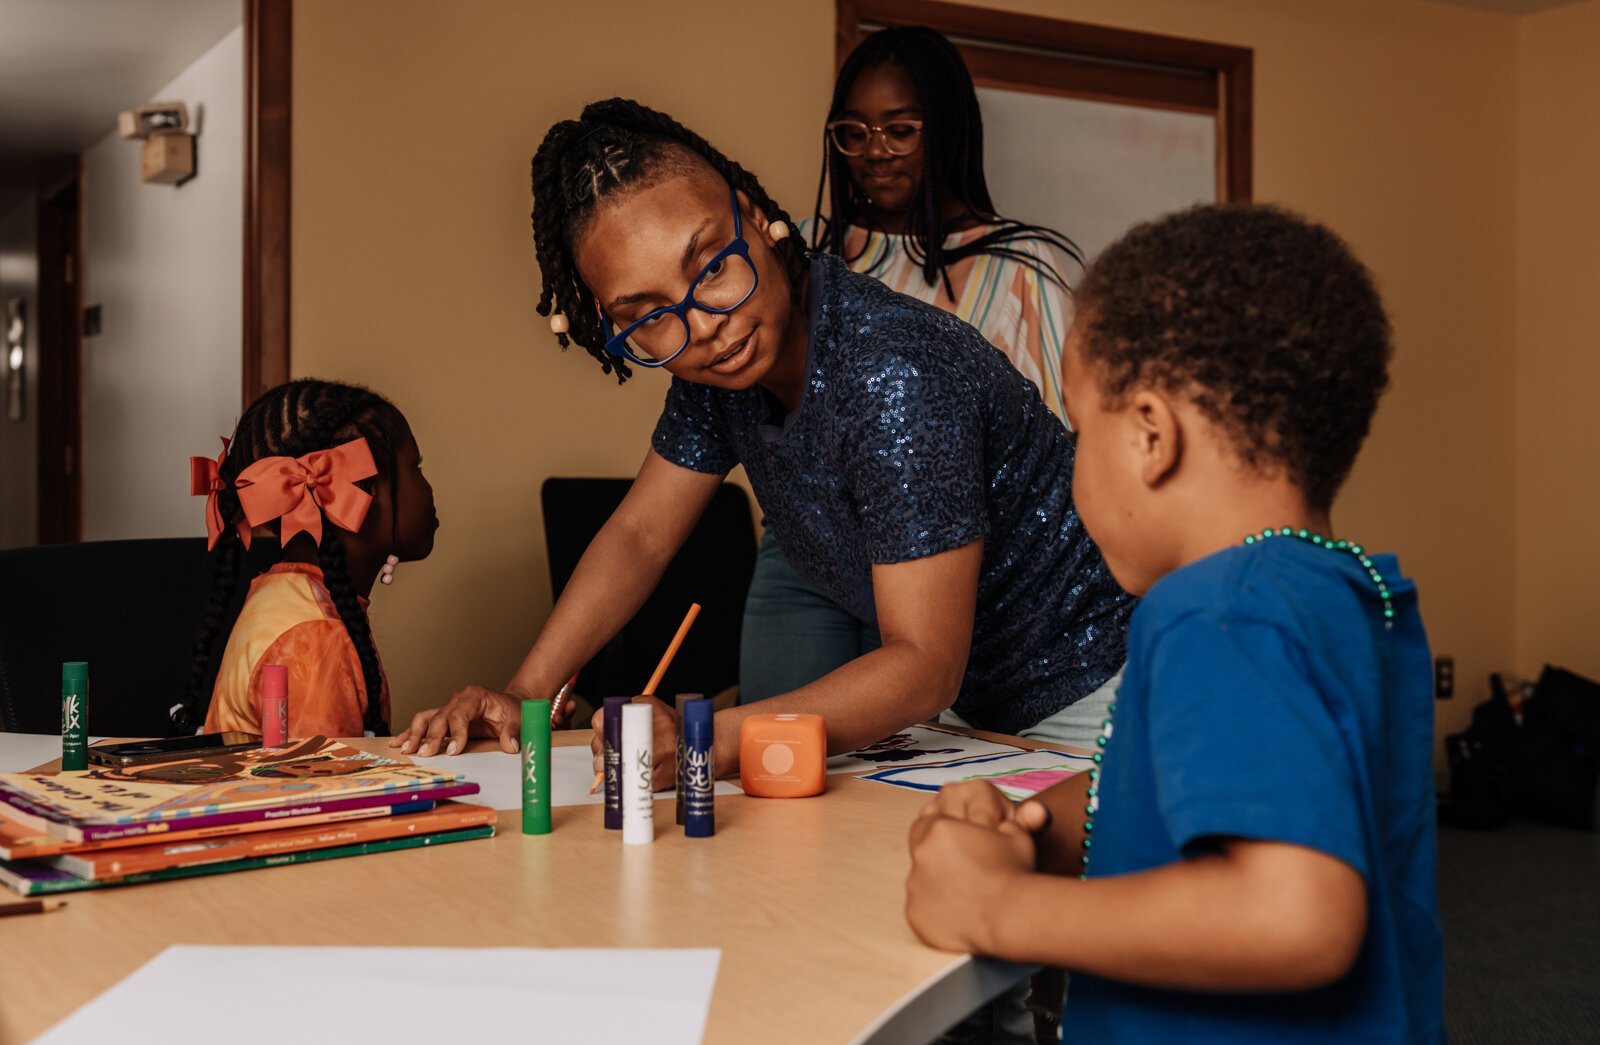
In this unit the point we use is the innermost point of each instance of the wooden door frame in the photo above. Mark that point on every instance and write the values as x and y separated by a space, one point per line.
58 321
268 76
1120 65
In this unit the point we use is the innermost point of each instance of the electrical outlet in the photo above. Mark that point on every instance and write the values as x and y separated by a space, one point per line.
1444 678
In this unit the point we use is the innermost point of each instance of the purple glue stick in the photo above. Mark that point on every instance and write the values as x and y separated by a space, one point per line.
611 758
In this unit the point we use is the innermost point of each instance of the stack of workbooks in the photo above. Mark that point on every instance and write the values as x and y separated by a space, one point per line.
309 800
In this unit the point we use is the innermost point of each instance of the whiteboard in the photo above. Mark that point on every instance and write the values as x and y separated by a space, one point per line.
1091 170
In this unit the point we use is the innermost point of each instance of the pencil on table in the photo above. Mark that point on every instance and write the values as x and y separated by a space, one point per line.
31 907
661 669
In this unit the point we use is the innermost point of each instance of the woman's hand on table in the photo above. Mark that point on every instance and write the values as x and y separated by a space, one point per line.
476 711
962 874
663 742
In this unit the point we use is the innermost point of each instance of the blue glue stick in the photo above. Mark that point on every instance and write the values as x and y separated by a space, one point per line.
699 768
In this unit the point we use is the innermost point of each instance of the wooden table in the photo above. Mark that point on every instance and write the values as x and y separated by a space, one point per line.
805 898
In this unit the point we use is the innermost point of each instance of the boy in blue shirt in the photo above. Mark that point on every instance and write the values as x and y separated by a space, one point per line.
1253 856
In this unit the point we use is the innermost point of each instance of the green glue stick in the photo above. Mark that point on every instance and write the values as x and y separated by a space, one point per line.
74 715
535 767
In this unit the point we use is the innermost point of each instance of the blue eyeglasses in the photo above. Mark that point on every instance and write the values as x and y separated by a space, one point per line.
723 284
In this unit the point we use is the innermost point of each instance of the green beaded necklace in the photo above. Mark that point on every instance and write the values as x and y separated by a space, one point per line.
1111 709
1093 807
1336 546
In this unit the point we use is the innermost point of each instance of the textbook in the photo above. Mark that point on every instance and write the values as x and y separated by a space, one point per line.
72 805
20 842
34 877
119 863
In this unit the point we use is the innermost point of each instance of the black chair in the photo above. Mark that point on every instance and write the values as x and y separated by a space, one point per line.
129 608
713 568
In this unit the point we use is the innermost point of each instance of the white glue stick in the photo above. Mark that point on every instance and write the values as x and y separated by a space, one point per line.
638 800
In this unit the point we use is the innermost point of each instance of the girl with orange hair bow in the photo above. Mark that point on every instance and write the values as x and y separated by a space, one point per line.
333 472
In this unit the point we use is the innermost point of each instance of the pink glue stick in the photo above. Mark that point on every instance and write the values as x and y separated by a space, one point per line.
274 705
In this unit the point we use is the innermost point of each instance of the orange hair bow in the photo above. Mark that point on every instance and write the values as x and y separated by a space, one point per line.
205 480
301 490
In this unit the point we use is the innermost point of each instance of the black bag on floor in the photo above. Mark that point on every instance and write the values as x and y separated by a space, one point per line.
1555 765
1480 764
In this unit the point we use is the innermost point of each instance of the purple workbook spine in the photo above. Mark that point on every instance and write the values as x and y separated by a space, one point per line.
100 832
30 808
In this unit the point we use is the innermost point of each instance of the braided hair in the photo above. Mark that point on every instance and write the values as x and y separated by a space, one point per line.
292 420
615 145
952 161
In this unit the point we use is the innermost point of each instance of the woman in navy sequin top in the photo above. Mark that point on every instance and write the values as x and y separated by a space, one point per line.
909 470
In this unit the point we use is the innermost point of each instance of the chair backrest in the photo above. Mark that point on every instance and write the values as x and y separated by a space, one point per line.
130 608
713 568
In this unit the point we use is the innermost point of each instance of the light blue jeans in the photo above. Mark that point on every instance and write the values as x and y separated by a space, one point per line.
793 634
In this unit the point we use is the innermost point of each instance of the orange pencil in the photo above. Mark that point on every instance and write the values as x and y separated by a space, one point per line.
661 669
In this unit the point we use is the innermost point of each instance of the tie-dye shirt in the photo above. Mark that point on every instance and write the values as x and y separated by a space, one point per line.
1015 306
290 619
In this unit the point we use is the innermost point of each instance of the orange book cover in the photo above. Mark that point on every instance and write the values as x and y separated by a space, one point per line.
21 843
114 863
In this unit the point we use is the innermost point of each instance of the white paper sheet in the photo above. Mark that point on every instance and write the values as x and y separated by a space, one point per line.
916 746
1020 775
499 776
269 995
20 752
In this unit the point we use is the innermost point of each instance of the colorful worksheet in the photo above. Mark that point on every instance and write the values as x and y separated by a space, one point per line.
391 994
1019 775
917 746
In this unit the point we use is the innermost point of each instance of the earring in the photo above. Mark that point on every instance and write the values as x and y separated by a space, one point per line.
558 323
387 574
778 230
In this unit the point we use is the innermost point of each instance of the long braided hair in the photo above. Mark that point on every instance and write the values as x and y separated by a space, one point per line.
614 145
952 161
289 421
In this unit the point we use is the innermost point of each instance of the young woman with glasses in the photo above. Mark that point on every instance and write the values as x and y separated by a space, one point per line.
908 203
911 473
902 172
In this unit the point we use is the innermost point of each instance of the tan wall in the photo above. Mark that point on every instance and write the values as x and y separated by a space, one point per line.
1392 120
1557 354
415 122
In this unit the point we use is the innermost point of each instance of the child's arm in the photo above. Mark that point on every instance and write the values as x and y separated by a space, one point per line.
1241 746
1247 916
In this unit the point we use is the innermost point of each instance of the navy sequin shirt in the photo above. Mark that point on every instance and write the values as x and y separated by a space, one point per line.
916 436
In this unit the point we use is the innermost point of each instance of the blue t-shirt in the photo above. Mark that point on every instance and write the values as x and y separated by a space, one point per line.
916 436
1265 699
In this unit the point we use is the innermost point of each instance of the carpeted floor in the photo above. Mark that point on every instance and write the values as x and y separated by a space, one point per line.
1521 912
